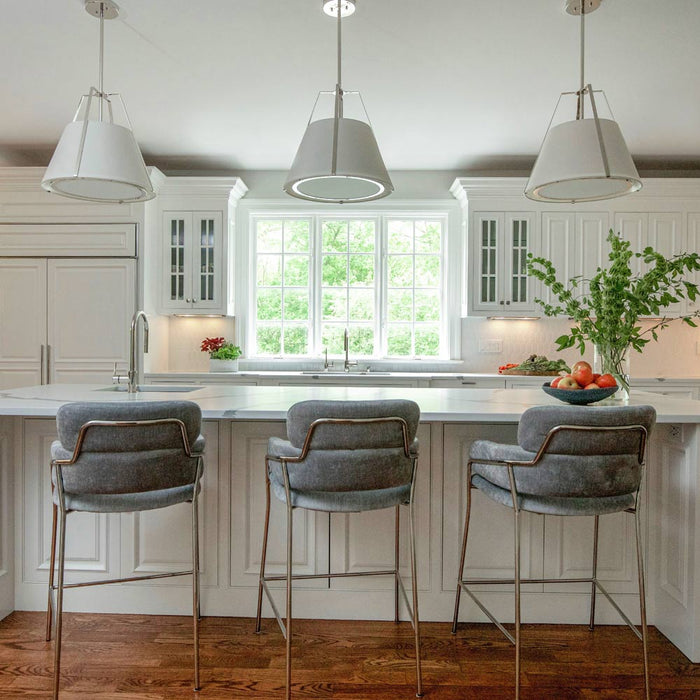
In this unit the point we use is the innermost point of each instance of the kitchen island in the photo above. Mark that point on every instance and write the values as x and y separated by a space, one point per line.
237 423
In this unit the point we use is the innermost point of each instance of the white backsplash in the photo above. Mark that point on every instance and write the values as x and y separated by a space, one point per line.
674 355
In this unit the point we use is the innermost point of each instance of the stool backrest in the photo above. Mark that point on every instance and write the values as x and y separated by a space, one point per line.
128 448
577 458
353 445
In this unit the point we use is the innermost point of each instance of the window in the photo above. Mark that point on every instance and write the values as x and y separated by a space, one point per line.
381 277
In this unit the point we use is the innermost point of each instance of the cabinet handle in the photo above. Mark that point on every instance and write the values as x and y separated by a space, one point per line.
48 364
469 383
42 363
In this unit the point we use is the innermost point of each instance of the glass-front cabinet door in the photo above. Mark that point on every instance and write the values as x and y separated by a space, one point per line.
193 280
500 245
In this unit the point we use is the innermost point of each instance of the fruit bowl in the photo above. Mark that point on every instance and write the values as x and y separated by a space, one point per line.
580 397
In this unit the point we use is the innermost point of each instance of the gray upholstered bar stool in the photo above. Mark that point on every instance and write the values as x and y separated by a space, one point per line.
569 460
119 458
344 457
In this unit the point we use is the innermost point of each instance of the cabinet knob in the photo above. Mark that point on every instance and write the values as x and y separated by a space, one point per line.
507 303
188 300
501 302
194 301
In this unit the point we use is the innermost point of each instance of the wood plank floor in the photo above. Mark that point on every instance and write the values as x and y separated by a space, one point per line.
136 657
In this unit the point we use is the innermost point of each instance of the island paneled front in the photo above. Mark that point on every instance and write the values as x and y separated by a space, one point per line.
238 420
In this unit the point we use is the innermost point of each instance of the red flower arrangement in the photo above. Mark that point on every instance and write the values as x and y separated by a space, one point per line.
211 344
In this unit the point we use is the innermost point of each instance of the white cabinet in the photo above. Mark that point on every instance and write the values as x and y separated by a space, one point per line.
693 246
195 221
193 261
662 231
499 283
69 319
575 243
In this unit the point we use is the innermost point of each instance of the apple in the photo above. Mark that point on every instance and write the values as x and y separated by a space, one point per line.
592 385
582 374
596 376
555 382
606 380
568 382
579 364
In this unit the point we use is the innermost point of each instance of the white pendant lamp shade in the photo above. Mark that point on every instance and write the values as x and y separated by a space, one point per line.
97 159
359 174
100 162
577 163
338 159
583 159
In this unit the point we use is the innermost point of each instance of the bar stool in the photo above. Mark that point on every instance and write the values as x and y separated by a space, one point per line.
344 457
120 458
569 460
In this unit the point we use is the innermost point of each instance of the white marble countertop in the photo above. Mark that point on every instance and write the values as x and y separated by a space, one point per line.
271 402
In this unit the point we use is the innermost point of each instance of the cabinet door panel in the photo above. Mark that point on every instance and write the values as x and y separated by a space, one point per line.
90 305
519 237
693 245
557 232
486 244
159 541
207 268
588 248
365 541
490 550
310 537
89 552
23 320
177 260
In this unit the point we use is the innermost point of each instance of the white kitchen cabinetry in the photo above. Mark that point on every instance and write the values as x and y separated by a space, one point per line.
575 243
69 319
499 283
662 231
196 216
693 246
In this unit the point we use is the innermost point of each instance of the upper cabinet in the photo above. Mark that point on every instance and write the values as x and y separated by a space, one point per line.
500 245
195 233
501 227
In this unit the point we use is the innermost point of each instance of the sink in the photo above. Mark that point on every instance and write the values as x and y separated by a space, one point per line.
341 373
155 388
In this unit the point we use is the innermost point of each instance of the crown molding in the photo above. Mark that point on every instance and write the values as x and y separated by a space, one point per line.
192 186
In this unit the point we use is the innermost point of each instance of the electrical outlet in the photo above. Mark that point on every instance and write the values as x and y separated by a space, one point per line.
491 345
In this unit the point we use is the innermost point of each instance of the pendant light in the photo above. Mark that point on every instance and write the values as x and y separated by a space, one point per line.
585 159
338 159
97 159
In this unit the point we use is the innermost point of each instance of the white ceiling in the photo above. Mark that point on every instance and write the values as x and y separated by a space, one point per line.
449 84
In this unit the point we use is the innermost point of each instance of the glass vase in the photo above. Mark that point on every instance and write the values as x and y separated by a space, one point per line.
615 360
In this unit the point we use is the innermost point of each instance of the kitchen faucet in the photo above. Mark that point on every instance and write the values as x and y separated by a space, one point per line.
132 348
346 346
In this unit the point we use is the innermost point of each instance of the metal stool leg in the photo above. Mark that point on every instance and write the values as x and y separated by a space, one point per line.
59 603
288 692
460 574
642 601
517 602
263 556
591 622
50 602
414 585
195 586
396 564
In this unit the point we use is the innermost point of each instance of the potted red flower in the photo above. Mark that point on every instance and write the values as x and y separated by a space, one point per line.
223 356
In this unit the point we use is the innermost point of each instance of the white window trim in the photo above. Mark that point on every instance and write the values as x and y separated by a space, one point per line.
452 256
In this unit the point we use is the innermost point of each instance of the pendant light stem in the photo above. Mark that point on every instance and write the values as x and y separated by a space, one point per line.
579 106
102 50
338 115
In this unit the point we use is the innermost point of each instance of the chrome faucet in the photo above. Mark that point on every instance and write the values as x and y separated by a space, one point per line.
132 348
346 346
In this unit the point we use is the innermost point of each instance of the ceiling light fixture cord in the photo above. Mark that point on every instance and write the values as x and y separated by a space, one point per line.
102 51
579 110
338 100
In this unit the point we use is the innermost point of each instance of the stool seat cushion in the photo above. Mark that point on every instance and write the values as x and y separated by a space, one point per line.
553 505
126 502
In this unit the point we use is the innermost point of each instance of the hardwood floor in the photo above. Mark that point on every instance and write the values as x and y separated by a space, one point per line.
135 657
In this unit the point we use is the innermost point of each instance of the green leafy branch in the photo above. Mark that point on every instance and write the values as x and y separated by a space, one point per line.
607 313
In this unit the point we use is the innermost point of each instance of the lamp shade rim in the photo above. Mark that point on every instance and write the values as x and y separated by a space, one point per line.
293 188
50 186
533 192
